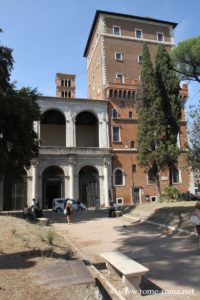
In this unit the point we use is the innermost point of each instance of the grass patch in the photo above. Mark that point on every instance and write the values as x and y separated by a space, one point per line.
21 237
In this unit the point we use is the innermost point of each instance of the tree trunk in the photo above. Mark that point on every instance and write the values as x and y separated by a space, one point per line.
158 191
170 176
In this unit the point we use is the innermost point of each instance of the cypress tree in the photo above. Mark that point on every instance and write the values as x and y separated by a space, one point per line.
151 126
169 87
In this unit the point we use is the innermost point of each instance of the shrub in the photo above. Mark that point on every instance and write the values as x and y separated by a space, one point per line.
171 194
50 236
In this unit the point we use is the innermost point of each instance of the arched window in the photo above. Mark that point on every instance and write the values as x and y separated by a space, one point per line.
114 113
118 177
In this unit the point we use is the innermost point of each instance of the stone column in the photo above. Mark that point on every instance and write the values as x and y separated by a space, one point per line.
34 179
71 175
106 185
104 134
70 130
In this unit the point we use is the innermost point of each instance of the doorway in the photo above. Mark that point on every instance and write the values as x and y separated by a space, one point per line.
89 187
52 185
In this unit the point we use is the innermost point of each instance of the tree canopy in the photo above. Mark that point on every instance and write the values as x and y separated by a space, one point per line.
18 111
187 59
159 114
169 87
194 148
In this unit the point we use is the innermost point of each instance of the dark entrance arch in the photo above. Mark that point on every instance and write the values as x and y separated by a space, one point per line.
52 185
87 130
89 186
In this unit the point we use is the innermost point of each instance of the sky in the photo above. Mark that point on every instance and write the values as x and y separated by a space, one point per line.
49 36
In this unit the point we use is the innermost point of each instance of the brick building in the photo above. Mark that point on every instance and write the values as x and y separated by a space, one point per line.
114 60
88 146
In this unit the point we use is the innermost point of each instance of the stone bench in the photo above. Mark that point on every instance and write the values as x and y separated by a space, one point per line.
42 221
118 213
130 270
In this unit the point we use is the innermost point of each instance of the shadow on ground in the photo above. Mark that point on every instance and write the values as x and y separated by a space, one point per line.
77 216
169 256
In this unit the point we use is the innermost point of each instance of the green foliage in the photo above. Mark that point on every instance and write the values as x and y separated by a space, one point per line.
18 111
150 114
169 87
171 194
194 147
50 236
6 66
187 58
159 112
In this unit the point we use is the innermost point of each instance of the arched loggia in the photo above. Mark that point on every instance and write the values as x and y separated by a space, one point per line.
53 129
87 130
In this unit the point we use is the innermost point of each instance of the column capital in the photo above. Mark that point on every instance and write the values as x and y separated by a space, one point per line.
106 162
72 161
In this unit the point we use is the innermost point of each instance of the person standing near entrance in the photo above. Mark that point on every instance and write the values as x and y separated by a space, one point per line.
68 211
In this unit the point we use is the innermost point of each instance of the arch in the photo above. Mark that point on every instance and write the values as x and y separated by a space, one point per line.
115 93
87 130
129 95
118 177
89 186
52 185
53 128
114 113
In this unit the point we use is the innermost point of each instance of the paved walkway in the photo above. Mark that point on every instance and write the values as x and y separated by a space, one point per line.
173 259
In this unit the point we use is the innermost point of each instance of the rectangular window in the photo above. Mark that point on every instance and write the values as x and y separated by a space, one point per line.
120 77
176 176
153 198
140 59
116 134
118 56
151 177
116 30
132 144
130 114
138 33
160 37
120 201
